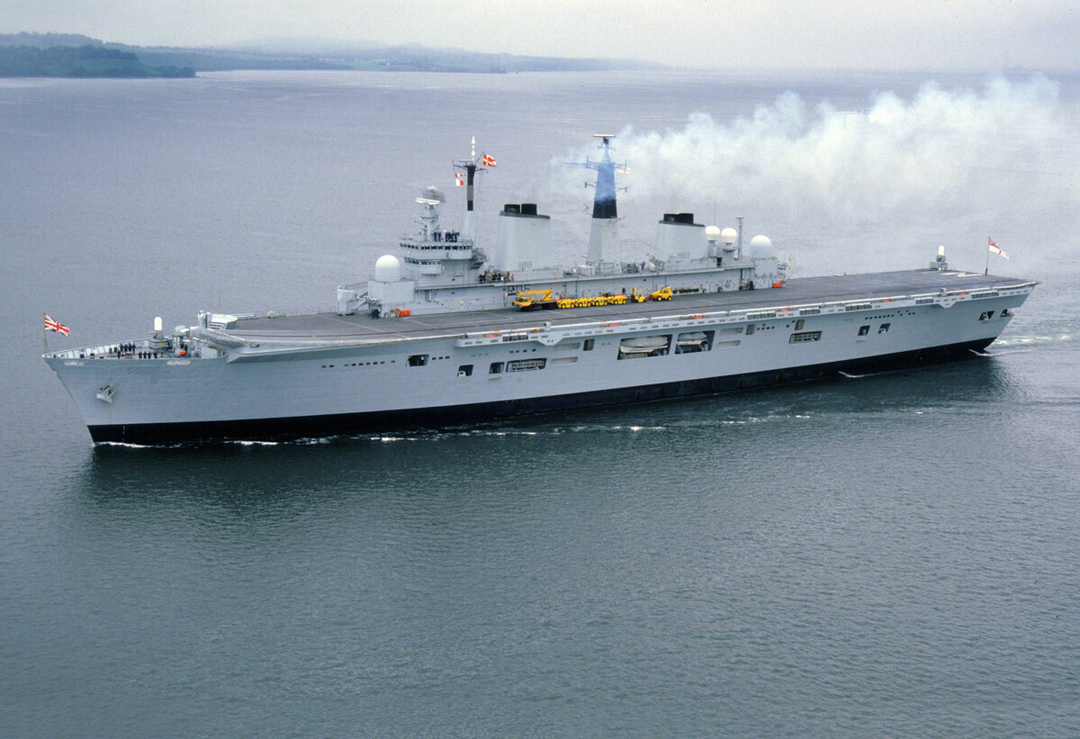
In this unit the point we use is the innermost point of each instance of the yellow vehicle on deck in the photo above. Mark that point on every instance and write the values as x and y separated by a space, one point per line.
533 299
663 293
593 301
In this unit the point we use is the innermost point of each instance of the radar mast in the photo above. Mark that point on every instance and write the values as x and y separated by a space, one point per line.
469 167
604 233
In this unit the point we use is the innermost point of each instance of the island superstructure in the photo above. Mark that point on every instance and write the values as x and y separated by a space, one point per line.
446 333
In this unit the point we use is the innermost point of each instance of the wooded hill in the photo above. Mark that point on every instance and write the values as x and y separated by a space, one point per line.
73 55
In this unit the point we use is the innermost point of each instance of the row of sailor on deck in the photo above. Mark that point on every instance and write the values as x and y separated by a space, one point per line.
131 349
122 350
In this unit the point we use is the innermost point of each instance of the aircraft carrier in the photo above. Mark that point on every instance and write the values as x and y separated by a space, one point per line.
445 333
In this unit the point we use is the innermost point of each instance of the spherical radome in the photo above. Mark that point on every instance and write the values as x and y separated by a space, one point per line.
388 269
760 247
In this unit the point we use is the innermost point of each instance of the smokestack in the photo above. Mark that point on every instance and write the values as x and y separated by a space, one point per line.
678 237
524 239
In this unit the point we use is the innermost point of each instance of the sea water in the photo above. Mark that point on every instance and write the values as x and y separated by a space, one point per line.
886 555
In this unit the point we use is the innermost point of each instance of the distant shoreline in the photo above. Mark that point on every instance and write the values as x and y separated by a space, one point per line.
80 62
77 56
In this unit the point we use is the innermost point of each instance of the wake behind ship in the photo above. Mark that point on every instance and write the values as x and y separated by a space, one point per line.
445 333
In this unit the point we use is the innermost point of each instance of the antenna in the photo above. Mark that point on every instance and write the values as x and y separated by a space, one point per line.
431 195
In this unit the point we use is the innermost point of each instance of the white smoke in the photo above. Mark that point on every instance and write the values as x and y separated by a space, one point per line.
946 164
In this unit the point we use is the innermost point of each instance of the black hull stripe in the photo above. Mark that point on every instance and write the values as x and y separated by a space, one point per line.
353 423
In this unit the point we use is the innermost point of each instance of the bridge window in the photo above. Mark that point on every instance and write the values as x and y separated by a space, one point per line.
418 360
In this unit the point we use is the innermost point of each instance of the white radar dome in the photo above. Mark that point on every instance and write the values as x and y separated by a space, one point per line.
729 235
760 247
712 233
388 269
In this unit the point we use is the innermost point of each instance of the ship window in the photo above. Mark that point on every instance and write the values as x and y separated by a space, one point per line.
864 330
464 370
418 360
750 329
589 344
799 324
884 329
805 336
987 315
521 365
496 368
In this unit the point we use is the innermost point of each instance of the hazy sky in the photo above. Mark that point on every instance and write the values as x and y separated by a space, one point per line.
913 34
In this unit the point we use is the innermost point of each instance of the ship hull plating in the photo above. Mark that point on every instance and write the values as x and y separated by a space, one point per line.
268 428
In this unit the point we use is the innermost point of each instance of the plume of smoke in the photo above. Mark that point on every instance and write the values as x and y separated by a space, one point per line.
942 162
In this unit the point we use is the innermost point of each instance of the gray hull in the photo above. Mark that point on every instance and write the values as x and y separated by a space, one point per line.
326 374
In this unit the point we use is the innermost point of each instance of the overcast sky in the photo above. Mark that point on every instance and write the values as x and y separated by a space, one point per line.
717 34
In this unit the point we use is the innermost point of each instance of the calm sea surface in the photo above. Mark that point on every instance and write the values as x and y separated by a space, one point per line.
895 555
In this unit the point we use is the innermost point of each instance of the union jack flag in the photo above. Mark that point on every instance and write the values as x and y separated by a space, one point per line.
487 160
51 325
